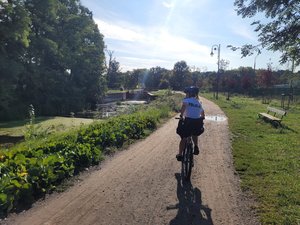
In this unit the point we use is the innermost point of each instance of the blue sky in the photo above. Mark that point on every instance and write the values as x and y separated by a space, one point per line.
149 33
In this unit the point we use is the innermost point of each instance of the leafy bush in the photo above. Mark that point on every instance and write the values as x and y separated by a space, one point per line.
35 167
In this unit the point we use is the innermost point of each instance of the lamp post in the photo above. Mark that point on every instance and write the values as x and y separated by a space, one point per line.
254 66
217 48
258 52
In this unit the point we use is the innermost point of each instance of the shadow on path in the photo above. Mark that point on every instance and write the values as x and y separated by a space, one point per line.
190 209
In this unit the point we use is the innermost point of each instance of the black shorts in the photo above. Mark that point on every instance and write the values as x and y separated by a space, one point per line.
189 126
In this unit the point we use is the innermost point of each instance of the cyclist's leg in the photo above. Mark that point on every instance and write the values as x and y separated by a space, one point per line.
195 134
196 148
197 131
182 145
181 148
195 140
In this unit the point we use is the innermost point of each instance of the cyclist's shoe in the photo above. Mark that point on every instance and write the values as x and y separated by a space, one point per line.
179 157
196 150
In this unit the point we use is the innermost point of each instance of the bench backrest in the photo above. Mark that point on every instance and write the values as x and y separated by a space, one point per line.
276 111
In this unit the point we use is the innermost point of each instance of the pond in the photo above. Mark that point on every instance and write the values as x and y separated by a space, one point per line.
117 108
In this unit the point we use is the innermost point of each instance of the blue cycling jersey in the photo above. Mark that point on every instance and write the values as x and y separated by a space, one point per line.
193 108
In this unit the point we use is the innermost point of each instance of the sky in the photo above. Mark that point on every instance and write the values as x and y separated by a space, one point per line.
150 33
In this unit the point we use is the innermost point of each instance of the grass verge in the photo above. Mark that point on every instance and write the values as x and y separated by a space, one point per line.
267 159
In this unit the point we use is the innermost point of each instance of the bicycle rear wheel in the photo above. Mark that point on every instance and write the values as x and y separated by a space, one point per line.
187 162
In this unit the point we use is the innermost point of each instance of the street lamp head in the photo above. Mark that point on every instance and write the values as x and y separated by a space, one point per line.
214 48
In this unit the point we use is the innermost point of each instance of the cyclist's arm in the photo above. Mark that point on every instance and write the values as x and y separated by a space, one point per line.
202 114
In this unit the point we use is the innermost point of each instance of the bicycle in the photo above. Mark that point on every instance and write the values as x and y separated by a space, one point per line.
187 161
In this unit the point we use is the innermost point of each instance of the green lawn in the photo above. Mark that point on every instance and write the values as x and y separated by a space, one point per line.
49 124
267 159
161 92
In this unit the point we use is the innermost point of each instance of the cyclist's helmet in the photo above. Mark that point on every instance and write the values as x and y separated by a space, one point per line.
192 90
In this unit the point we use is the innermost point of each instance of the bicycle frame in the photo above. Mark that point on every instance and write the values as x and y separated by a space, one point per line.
188 159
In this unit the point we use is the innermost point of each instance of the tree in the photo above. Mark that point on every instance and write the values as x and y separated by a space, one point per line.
224 63
14 40
153 77
281 31
113 74
265 78
66 38
247 79
164 84
51 56
134 78
181 76
113 71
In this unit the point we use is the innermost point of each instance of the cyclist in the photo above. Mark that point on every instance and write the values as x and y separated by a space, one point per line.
191 122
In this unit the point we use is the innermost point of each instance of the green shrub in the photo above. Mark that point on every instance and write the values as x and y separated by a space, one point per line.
35 167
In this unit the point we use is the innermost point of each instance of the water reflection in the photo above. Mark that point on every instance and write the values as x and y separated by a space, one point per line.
117 108
217 118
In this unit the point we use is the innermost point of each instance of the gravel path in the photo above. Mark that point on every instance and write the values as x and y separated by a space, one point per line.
142 186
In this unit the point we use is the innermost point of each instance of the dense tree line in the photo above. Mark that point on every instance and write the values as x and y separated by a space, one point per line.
244 80
51 56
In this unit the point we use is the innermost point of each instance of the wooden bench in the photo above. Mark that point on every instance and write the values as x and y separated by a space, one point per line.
277 116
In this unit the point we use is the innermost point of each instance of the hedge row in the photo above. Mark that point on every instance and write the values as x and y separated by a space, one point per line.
29 171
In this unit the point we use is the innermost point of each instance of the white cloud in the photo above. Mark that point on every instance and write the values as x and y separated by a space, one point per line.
243 31
116 32
168 4
151 46
132 62
146 47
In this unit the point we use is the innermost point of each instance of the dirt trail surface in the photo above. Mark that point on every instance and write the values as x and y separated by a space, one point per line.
142 185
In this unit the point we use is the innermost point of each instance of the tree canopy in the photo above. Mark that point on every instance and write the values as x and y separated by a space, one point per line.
280 31
51 56
181 76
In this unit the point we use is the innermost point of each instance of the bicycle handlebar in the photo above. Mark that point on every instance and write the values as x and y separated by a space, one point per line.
179 118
